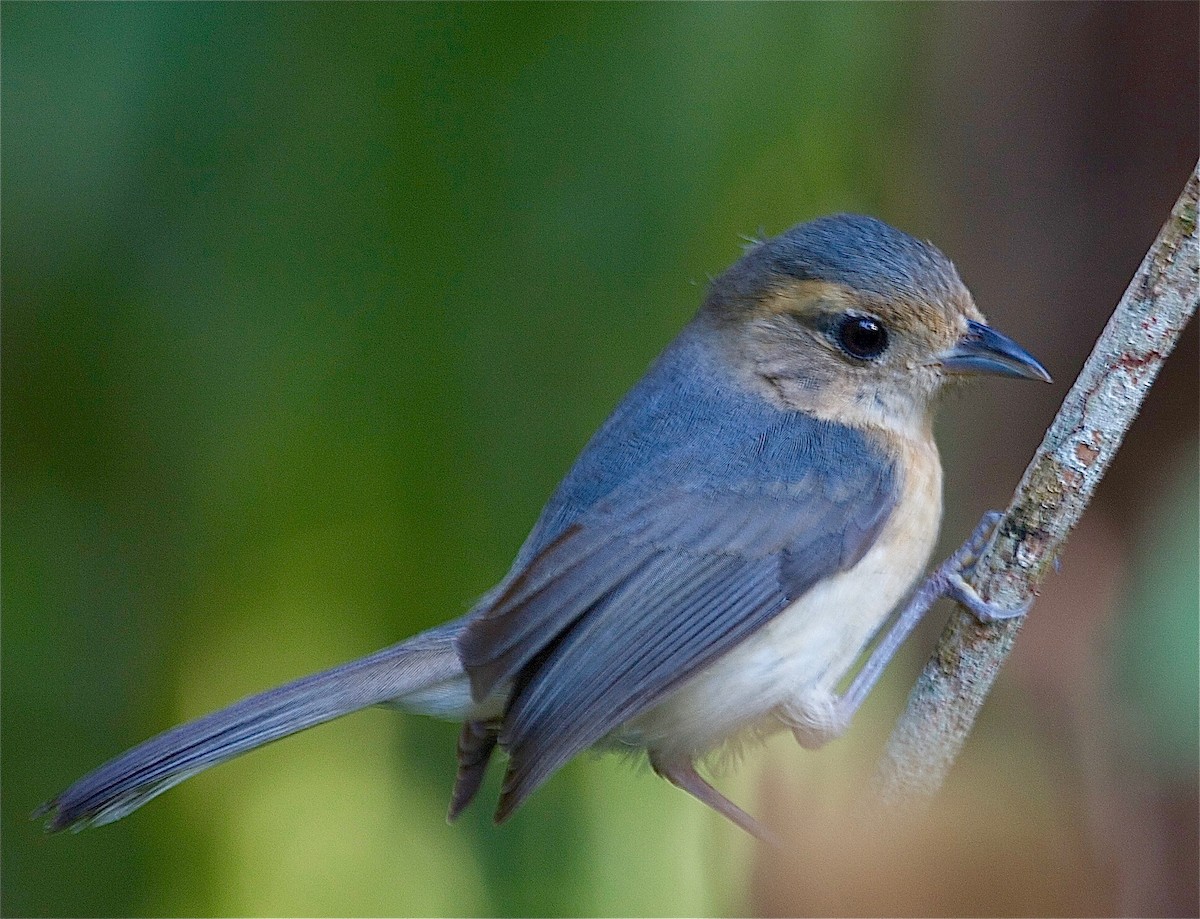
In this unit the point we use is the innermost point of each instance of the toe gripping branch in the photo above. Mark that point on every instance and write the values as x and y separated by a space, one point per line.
954 570
949 580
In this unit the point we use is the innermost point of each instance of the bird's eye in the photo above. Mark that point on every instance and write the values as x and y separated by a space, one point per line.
862 337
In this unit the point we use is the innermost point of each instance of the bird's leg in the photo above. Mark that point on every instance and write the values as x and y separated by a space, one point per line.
947 580
682 774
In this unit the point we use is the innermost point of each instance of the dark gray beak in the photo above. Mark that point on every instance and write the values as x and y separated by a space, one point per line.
984 350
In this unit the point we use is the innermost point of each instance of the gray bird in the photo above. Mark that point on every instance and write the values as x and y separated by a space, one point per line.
715 561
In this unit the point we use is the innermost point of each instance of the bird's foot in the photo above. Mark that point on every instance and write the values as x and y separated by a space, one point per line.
954 583
958 589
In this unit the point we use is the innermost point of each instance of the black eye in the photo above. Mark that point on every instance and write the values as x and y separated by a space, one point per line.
862 337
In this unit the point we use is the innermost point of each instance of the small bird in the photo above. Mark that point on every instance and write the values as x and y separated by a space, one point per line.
714 563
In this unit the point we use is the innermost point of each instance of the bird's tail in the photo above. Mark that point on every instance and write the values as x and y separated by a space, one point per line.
422 674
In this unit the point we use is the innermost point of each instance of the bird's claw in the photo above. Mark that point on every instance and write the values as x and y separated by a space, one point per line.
963 561
958 588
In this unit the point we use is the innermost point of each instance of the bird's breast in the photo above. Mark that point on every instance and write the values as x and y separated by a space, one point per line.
796 660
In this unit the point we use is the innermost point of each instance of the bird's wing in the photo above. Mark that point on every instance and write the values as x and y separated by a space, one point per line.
638 595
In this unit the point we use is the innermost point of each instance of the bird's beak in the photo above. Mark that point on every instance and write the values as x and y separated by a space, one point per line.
984 350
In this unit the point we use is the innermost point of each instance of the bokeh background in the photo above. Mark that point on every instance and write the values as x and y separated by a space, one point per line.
306 308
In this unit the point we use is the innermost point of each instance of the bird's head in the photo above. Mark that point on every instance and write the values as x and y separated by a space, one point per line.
849 318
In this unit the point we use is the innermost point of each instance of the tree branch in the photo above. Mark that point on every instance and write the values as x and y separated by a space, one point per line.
1057 486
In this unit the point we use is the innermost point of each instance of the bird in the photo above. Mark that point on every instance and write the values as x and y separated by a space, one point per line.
722 552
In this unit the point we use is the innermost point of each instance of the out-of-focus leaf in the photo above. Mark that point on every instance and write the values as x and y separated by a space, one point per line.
1158 648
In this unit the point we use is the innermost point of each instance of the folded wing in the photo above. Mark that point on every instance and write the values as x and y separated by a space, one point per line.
654 583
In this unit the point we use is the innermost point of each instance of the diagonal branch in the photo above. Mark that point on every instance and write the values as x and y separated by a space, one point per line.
1057 486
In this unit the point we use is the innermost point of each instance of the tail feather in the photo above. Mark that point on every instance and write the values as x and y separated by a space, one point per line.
425 667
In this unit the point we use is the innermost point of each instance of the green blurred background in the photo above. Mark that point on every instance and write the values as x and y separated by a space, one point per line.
306 309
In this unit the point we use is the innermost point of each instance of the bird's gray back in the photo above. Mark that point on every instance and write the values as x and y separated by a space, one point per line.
687 424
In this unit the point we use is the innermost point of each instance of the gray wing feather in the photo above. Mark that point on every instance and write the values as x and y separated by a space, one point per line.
574 572
580 696
569 577
671 584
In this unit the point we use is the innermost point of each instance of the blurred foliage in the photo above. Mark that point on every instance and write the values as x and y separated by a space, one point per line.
1158 668
306 309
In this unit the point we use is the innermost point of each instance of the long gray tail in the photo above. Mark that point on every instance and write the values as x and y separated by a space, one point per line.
423 674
